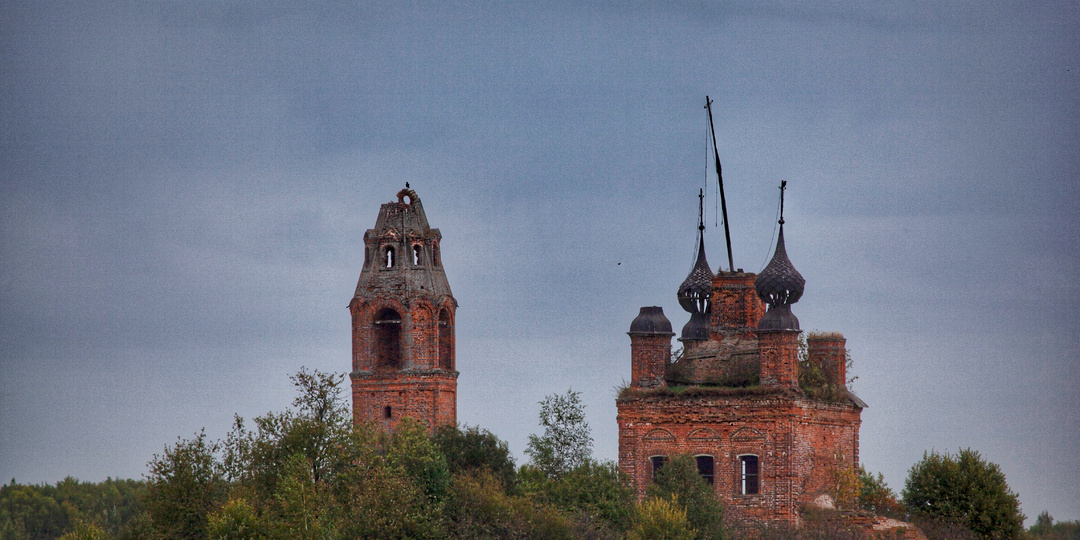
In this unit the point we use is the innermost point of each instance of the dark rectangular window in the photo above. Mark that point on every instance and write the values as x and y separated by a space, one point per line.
705 468
657 463
749 472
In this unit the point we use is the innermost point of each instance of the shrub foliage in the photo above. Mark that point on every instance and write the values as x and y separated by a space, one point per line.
964 490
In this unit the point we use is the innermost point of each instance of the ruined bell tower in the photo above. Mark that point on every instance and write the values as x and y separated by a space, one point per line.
403 323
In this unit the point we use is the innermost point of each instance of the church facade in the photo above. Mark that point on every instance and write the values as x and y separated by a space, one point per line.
767 440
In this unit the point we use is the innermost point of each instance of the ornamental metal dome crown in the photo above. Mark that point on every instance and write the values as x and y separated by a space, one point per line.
779 285
695 293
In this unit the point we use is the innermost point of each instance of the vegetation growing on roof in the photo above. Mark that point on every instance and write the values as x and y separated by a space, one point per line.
691 391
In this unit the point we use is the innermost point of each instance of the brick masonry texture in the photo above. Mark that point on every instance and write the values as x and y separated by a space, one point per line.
737 308
830 352
403 317
799 442
651 353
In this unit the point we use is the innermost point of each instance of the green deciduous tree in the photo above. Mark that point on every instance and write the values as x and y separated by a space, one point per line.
876 496
236 520
470 449
566 442
481 508
86 531
186 484
1045 528
679 478
30 512
966 490
45 511
595 496
661 518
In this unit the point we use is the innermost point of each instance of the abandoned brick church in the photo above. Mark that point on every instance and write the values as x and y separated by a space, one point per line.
732 398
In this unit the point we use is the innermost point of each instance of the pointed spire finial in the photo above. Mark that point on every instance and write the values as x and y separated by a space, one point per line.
701 210
779 285
695 293
783 186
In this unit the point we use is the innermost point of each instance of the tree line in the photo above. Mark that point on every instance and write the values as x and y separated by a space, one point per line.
309 472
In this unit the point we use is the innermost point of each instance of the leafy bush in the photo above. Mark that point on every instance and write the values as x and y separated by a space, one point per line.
595 495
480 508
472 449
1045 528
876 496
186 484
661 518
965 490
678 480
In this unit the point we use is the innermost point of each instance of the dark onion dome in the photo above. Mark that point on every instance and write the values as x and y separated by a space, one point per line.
779 318
695 293
697 328
779 285
651 320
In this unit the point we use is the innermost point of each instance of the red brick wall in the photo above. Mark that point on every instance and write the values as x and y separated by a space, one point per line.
649 356
736 307
779 351
828 350
789 434
430 397
419 387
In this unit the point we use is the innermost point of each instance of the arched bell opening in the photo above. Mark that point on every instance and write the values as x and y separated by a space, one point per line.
446 341
388 339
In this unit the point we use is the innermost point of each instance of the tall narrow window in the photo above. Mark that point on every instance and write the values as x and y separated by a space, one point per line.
446 341
389 257
388 339
657 463
387 412
749 475
416 255
705 467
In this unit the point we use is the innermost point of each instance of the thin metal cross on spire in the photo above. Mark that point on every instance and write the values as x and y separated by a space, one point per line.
700 210
783 186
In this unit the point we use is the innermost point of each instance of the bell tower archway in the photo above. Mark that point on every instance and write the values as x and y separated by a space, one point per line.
402 318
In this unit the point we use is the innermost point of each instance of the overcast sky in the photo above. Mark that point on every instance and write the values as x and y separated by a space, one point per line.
184 189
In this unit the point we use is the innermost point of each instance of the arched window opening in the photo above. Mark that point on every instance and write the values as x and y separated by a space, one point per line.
446 341
657 463
749 474
387 413
416 255
388 339
705 468
388 257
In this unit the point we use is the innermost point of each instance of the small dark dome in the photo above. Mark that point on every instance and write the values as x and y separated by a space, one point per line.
695 293
697 328
651 320
779 283
779 317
